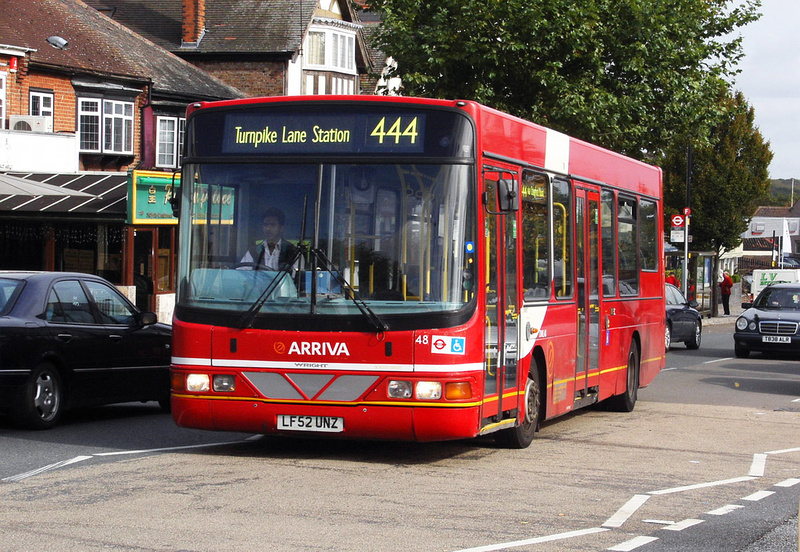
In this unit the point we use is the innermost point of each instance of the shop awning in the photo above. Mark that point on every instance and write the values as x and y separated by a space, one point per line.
107 195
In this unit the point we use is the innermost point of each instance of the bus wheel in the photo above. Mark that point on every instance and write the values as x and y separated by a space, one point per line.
520 437
627 400
40 403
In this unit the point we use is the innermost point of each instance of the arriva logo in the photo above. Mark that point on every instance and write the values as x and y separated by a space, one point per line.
318 348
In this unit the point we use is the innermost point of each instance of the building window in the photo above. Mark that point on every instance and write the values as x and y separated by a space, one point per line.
106 123
332 50
41 105
169 141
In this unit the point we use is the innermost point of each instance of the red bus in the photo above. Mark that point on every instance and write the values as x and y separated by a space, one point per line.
408 269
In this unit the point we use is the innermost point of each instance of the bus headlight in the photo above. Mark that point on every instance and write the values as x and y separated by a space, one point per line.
197 382
224 383
429 390
399 389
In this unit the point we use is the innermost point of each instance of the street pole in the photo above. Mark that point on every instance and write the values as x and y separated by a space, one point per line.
687 212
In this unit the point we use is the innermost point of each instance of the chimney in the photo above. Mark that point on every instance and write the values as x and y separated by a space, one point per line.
194 20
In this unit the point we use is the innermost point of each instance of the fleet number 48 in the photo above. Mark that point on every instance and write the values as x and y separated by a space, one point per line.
395 131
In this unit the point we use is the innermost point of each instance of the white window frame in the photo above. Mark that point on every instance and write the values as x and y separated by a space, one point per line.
96 116
115 122
169 145
338 48
118 125
43 98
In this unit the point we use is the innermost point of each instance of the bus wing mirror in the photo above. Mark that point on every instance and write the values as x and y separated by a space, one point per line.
507 195
175 200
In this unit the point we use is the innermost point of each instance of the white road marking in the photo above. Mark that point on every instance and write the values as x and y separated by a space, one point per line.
788 483
758 465
755 497
784 451
626 511
21 476
57 465
701 485
685 524
537 540
632 544
724 510
658 521
717 360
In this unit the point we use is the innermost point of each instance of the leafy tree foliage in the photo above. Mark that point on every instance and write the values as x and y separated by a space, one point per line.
626 74
729 178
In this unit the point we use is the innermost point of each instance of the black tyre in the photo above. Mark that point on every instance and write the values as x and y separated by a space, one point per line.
667 336
626 401
41 403
520 437
694 341
741 352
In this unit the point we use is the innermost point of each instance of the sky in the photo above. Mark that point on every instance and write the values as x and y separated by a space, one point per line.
770 81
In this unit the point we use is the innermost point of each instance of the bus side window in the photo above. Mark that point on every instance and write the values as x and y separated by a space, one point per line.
535 237
607 218
628 246
562 238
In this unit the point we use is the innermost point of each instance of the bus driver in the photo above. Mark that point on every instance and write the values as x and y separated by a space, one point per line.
273 251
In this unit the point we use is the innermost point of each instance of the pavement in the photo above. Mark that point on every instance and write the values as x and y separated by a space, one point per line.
736 309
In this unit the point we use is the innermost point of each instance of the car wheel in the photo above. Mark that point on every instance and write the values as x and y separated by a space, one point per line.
741 352
521 436
694 341
41 402
626 401
667 336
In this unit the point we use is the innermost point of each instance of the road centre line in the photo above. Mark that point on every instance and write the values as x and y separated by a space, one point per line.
788 482
632 544
725 510
536 540
755 497
685 524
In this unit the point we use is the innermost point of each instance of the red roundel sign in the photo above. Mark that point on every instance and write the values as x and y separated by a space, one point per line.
677 220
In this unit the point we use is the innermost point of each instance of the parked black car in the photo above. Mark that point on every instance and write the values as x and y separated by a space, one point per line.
770 323
684 321
69 340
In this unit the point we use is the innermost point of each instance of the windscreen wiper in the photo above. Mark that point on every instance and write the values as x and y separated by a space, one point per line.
247 318
368 313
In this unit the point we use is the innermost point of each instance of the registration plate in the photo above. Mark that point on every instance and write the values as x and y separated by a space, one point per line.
328 424
776 339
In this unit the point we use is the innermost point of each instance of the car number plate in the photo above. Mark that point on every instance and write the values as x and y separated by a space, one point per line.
776 339
328 424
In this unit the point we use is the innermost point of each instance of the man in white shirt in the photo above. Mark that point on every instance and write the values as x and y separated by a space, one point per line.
272 252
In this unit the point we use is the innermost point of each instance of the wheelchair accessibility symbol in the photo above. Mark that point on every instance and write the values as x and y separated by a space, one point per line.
447 345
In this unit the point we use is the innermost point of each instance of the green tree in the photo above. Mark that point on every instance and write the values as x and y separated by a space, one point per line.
729 178
626 74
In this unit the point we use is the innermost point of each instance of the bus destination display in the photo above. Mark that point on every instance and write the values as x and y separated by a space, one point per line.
264 134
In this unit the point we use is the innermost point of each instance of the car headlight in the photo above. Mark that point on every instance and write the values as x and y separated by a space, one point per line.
743 323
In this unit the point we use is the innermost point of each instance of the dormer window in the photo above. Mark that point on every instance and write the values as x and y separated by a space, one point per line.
332 50
105 126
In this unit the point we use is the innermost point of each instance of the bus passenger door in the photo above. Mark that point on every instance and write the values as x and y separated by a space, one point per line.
587 261
502 312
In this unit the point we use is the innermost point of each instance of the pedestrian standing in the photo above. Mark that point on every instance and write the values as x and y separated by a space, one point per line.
725 289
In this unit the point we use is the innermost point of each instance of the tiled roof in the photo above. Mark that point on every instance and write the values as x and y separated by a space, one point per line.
100 46
232 26
772 211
